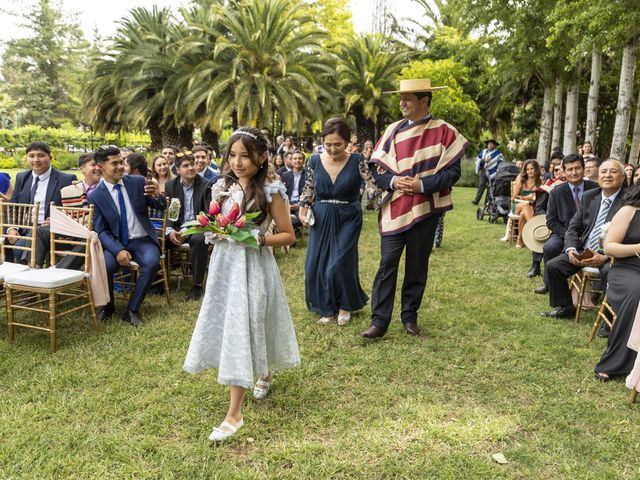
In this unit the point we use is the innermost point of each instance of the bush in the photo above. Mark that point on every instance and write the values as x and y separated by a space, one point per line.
469 177
8 162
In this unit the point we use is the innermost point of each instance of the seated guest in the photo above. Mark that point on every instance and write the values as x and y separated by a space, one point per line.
122 223
137 165
75 195
190 188
636 174
203 163
555 159
563 203
587 150
597 207
524 195
169 152
294 181
161 172
5 186
287 164
628 170
591 168
623 294
42 183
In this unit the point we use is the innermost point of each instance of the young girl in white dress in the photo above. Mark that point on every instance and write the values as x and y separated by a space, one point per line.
245 328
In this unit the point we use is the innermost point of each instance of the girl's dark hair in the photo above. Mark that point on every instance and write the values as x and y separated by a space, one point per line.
523 175
256 144
338 126
275 161
632 196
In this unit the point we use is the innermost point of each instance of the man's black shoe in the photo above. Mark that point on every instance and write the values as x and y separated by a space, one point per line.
603 331
541 290
373 332
475 202
561 312
104 313
412 329
133 318
535 270
194 293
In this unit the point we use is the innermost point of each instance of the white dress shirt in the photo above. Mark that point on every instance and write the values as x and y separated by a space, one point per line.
136 230
41 192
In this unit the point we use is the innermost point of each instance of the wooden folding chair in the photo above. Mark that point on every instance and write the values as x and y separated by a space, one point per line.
602 317
126 277
583 281
24 218
180 256
52 289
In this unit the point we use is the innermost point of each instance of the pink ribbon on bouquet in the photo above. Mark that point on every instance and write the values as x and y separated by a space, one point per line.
63 224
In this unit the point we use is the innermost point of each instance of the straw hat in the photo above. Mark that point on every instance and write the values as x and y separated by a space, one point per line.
535 233
416 86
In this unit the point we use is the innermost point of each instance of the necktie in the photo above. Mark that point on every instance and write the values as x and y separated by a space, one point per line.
576 196
34 188
594 243
124 226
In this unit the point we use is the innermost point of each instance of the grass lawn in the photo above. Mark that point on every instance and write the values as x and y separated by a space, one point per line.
489 376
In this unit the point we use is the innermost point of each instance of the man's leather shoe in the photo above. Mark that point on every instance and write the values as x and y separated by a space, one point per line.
373 332
132 317
475 202
412 328
603 331
104 313
561 312
194 293
541 290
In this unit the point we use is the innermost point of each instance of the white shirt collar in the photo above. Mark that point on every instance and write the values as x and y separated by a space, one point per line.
611 197
111 185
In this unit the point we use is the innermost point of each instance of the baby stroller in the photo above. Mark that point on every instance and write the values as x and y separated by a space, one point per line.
499 196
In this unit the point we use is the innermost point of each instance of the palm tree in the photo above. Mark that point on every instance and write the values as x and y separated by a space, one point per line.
368 66
248 62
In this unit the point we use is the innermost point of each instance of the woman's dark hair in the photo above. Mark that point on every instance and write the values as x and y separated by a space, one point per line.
275 161
632 196
337 126
524 176
138 163
256 144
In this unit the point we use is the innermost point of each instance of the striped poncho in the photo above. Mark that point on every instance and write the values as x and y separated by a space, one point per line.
419 149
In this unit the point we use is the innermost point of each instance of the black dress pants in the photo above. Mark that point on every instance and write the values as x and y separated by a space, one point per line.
559 270
418 241
552 248
199 252
482 185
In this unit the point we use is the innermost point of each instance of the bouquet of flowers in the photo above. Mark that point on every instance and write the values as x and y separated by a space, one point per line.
232 226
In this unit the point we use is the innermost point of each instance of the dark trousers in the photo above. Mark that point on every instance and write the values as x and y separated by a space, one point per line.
482 185
43 246
418 241
144 252
559 270
552 248
199 252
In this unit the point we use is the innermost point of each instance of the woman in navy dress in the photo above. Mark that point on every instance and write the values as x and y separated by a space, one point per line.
332 194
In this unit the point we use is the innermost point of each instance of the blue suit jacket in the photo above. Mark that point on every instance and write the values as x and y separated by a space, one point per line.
287 178
106 221
57 180
561 207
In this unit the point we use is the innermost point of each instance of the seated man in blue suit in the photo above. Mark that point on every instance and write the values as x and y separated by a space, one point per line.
121 220
203 164
294 181
41 183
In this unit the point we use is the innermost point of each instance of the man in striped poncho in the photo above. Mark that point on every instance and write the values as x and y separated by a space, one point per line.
416 162
487 163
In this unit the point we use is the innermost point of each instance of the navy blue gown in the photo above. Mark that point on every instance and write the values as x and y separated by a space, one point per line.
332 281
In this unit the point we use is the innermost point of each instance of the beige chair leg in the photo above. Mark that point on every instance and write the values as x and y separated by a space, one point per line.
165 280
92 306
9 300
52 322
594 329
583 284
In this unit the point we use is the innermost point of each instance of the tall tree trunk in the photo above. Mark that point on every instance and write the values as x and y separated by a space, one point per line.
594 93
557 115
544 142
625 99
571 118
234 120
180 137
155 132
635 140
210 137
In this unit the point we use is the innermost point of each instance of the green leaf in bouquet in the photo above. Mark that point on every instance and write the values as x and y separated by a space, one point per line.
243 236
252 215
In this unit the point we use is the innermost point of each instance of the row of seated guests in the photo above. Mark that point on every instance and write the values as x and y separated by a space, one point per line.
294 179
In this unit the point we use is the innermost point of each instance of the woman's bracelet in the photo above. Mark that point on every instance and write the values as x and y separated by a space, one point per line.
261 240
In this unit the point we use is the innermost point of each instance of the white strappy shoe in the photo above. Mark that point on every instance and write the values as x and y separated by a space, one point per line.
261 388
224 431
343 319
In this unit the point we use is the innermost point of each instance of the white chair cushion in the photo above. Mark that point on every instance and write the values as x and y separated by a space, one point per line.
45 278
7 268
592 270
